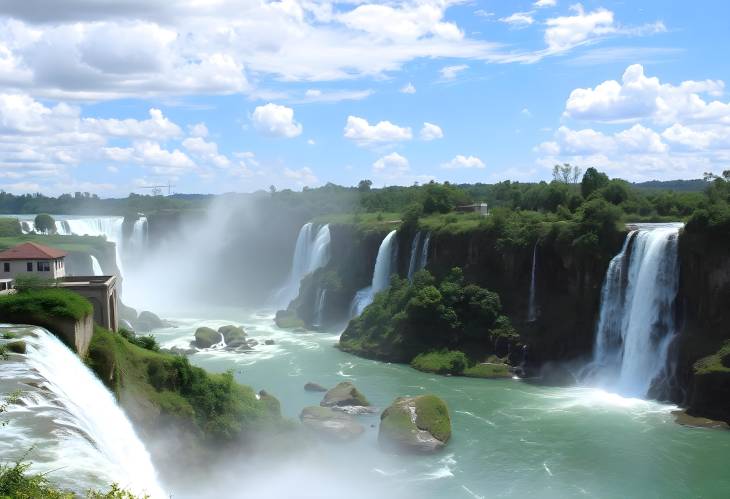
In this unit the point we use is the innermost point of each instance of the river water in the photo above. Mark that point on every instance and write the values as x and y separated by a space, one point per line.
510 438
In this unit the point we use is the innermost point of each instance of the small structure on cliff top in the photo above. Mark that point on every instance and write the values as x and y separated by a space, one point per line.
481 208
32 259
36 260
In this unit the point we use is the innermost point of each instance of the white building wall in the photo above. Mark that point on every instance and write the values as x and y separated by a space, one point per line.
19 268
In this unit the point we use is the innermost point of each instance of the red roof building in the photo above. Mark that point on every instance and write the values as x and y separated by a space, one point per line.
29 259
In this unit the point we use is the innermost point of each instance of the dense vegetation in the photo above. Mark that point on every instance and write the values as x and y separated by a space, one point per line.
44 304
455 324
218 408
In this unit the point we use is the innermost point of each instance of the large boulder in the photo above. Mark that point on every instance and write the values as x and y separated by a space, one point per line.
288 319
147 321
206 337
331 424
234 336
344 395
415 424
314 387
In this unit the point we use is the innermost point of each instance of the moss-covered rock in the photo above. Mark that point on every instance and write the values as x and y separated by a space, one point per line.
234 336
489 370
710 388
16 346
443 362
331 424
288 319
147 321
206 337
343 395
415 424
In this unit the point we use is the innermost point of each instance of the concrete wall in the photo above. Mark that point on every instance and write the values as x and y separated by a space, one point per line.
75 334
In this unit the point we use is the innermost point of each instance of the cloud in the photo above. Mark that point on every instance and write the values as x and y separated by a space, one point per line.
158 127
431 132
674 130
450 72
545 3
391 166
518 19
275 120
316 95
461 161
566 32
301 177
359 130
639 97
408 88
206 152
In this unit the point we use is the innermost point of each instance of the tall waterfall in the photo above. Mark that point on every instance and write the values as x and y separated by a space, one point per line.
419 253
95 266
636 324
71 422
138 238
311 252
319 307
532 305
387 254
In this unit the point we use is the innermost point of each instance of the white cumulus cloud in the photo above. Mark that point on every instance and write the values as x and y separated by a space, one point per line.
276 120
391 166
431 132
359 130
461 161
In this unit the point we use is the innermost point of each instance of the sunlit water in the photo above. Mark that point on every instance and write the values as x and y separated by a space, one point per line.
510 438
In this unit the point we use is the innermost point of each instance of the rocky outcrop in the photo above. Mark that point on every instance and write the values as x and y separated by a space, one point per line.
206 337
331 424
344 395
234 336
415 424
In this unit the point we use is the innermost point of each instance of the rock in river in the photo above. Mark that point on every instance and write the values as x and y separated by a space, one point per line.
343 395
206 337
415 424
314 387
331 424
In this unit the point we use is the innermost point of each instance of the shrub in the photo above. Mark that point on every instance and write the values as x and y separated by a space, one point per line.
443 362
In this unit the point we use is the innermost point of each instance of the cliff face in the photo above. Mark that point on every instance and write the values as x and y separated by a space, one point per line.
704 306
567 287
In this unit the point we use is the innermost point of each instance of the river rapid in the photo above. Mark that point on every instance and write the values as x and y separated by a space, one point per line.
510 438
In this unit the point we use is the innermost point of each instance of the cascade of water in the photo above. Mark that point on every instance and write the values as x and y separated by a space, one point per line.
311 252
138 239
109 227
95 266
532 305
72 421
319 307
636 324
415 255
320 253
424 252
387 254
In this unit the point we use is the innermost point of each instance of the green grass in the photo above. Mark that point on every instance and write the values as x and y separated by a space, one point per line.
219 408
365 221
433 416
717 362
10 227
443 362
488 371
451 223
45 304
84 244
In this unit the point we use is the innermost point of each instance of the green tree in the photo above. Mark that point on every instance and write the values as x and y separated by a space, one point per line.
45 223
593 180
364 185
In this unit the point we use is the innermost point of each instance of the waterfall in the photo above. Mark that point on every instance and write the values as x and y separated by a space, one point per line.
636 322
138 239
77 432
532 305
311 252
415 255
424 253
319 307
381 275
419 253
95 266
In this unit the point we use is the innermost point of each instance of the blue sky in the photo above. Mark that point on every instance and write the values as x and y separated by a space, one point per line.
110 96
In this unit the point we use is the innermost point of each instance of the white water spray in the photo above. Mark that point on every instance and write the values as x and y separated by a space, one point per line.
71 420
381 275
636 325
